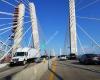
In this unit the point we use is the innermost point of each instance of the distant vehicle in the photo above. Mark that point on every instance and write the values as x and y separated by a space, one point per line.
89 59
38 60
62 57
58 56
72 56
44 56
51 56
22 55
99 59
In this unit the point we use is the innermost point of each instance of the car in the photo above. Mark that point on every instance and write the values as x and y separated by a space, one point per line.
72 57
44 56
58 56
99 59
38 60
89 59
63 57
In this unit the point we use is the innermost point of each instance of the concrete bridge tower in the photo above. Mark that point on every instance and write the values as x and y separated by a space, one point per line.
72 28
18 26
34 26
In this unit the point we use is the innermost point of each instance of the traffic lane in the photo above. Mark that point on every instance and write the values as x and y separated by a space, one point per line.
64 72
7 74
4 68
75 63
49 74
72 73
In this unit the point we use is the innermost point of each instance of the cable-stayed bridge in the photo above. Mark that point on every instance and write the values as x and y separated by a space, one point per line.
20 29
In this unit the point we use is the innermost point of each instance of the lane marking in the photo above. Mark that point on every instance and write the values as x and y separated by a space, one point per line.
51 77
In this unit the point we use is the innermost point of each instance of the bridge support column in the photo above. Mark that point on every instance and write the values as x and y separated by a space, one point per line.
18 26
72 29
34 27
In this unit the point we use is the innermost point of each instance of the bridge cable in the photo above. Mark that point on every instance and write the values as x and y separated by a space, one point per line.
2 29
12 46
79 3
16 1
8 51
6 24
9 38
9 23
92 18
9 3
28 1
13 18
80 43
30 40
88 35
6 13
26 5
13 26
1 33
88 5
4 43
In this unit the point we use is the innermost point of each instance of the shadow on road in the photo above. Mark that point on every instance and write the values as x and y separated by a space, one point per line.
9 77
76 63
58 76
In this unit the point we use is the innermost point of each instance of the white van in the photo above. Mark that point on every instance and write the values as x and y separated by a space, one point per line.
24 54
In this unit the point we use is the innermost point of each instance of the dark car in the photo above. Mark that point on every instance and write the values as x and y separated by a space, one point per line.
44 56
72 57
89 59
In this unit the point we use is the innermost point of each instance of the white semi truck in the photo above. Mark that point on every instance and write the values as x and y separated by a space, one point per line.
22 55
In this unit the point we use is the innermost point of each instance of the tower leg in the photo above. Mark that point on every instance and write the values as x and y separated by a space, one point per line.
18 26
72 29
34 28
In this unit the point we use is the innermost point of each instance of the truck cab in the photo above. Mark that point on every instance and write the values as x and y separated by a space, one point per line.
19 57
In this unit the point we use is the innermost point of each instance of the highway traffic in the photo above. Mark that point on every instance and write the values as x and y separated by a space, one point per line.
57 70
71 70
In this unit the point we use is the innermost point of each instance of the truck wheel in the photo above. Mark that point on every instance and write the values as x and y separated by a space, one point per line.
24 62
11 65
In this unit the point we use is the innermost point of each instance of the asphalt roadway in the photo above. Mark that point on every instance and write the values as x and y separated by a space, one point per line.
58 70
71 70
7 72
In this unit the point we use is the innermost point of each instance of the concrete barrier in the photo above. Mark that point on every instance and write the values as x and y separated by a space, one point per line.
32 73
3 65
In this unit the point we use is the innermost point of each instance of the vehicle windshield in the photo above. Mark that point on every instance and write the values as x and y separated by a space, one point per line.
91 55
19 54
63 55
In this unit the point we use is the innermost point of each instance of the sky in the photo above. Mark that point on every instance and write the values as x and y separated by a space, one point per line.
53 23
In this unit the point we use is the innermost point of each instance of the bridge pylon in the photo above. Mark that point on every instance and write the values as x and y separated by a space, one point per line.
17 26
72 29
35 31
